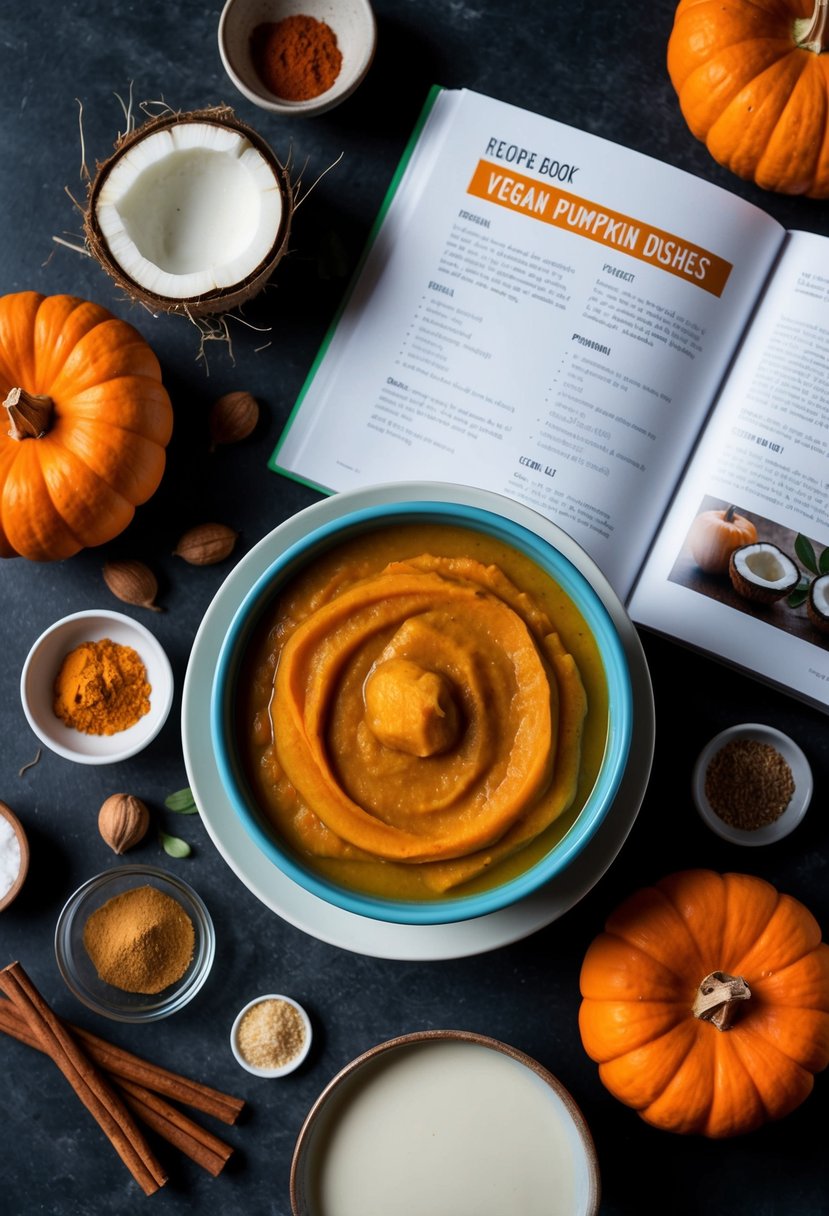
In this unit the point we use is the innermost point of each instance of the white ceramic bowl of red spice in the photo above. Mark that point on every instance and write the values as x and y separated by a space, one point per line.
44 661
742 779
298 58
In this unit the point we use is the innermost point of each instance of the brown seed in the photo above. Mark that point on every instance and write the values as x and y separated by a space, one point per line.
123 821
206 544
232 418
133 582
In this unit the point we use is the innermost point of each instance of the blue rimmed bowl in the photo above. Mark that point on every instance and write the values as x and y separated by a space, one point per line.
572 577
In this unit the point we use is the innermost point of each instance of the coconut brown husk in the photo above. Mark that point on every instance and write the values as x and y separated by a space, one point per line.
211 303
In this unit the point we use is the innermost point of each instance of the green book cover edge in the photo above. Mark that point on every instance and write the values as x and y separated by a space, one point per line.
273 463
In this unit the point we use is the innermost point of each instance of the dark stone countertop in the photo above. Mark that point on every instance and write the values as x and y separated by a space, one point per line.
602 68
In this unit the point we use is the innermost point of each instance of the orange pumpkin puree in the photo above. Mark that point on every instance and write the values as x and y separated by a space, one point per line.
424 708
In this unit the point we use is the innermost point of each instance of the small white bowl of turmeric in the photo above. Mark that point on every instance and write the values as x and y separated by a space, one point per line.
96 687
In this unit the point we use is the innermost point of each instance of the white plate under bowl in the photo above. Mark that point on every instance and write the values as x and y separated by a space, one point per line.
337 926
798 804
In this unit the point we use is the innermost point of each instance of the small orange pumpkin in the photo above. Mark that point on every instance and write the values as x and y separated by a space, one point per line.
752 77
88 424
706 1003
715 535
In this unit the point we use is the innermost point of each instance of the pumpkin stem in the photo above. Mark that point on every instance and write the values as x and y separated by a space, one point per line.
811 33
29 414
729 514
718 998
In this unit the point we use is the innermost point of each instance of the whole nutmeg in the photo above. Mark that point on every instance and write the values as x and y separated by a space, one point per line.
123 821
206 544
232 418
133 582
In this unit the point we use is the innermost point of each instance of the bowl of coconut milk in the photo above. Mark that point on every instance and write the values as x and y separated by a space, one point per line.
444 1121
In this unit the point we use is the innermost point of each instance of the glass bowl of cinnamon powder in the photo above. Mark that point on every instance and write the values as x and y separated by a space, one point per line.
297 57
135 943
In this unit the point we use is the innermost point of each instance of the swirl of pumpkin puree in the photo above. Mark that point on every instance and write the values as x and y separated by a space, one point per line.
428 713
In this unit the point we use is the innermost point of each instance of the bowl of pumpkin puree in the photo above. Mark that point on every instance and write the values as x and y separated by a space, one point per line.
422 712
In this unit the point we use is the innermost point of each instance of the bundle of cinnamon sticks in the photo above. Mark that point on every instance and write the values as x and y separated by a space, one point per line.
121 1090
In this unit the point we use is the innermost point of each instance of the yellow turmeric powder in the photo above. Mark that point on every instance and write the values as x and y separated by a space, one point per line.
101 688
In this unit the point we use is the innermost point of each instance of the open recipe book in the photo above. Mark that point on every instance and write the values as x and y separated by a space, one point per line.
612 341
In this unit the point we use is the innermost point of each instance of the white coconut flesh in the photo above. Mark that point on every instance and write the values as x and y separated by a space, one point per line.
820 595
767 565
191 209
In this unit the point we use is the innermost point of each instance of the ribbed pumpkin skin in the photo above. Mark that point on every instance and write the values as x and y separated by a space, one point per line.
758 101
639 979
104 453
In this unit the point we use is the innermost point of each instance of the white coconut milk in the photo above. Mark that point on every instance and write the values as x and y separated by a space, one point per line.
448 1128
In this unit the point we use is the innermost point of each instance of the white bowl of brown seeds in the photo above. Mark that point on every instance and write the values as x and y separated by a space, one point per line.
752 784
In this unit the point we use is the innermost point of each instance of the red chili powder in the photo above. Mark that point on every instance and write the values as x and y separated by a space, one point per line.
296 58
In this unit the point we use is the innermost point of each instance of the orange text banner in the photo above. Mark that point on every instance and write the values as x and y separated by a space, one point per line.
583 218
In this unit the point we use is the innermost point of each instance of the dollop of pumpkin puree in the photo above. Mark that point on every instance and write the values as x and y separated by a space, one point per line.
426 715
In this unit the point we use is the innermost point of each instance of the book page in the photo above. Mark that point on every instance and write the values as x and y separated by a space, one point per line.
765 452
540 313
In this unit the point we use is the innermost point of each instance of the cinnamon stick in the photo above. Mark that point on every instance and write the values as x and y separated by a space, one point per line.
124 1066
90 1085
200 1145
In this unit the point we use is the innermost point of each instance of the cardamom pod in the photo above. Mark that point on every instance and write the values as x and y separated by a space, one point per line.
133 582
123 821
232 418
206 544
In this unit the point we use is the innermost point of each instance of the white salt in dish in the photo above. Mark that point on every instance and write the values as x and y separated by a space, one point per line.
444 1121
14 856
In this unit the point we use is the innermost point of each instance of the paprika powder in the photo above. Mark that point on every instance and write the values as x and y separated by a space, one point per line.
296 58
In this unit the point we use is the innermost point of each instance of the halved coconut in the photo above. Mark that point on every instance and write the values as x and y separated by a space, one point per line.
817 605
762 572
191 213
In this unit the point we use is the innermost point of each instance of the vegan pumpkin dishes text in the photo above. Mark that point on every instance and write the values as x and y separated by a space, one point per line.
423 708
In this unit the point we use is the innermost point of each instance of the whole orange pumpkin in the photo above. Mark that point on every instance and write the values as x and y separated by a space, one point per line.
752 78
714 535
87 424
706 1003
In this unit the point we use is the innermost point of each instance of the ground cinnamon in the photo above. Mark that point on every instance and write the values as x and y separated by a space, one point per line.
296 58
140 941
101 688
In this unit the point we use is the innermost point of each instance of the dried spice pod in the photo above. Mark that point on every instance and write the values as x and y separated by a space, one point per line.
233 417
123 821
206 544
133 582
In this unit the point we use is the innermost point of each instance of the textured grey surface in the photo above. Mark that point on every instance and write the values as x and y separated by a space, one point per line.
601 68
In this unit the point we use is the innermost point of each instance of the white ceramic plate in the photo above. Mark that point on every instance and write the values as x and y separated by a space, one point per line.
336 926
794 812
